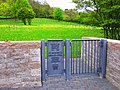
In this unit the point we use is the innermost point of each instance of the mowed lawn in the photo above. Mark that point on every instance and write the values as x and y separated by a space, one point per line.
42 28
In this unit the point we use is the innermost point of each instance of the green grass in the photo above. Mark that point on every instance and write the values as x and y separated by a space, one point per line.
45 29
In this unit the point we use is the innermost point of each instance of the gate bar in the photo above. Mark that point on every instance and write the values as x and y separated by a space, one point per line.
67 61
43 60
103 57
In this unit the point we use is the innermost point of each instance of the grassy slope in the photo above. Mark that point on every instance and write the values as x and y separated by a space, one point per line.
45 29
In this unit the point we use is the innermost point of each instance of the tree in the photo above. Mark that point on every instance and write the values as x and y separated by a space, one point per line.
18 5
0 1
58 14
45 10
25 14
70 15
22 3
4 9
107 12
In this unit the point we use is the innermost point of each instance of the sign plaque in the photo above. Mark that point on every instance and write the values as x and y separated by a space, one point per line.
55 63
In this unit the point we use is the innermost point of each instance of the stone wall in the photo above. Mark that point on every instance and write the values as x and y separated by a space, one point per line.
20 64
113 62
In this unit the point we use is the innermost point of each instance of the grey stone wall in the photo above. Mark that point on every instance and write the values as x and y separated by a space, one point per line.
113 62
20 64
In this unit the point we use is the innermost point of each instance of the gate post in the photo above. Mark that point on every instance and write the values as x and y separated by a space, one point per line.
103 57
67 61
43 60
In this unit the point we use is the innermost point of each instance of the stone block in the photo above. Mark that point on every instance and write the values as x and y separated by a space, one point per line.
31 84
35 58
23 75
12 65
2 66
35 72
35 51
2 61
3 56
34 65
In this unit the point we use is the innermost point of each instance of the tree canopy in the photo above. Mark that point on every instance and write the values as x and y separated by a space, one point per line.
25 14
107 12
58 14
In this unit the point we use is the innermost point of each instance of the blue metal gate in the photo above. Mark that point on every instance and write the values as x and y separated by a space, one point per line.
82 56
85 56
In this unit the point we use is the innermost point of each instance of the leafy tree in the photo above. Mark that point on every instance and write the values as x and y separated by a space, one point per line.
36 7
70 15
45 10
22 3
107 12
0 1
41 10
58 14
25 14
87 18
18 5
51 12
4 9
13 10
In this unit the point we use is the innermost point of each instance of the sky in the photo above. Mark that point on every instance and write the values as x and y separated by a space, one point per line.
63 4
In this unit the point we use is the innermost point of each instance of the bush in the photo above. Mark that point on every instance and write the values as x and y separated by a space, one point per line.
58 14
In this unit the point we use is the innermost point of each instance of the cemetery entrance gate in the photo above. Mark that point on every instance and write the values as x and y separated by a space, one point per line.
75 57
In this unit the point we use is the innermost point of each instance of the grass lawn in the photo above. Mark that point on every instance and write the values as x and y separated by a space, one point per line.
45 29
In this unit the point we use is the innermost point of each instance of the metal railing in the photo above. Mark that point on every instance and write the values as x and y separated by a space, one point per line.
85 56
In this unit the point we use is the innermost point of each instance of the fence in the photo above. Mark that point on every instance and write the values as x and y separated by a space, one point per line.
82 56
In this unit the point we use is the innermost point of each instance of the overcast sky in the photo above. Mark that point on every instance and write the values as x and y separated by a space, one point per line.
63 4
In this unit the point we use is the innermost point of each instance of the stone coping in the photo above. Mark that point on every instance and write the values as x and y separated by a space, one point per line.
19 44
18 41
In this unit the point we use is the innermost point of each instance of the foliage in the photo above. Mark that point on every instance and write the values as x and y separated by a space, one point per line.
58 14
41 10
87 18
22 3
106 12
70 15
4 9
45 10
111 19
0 1
15 30
13 9
26 14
